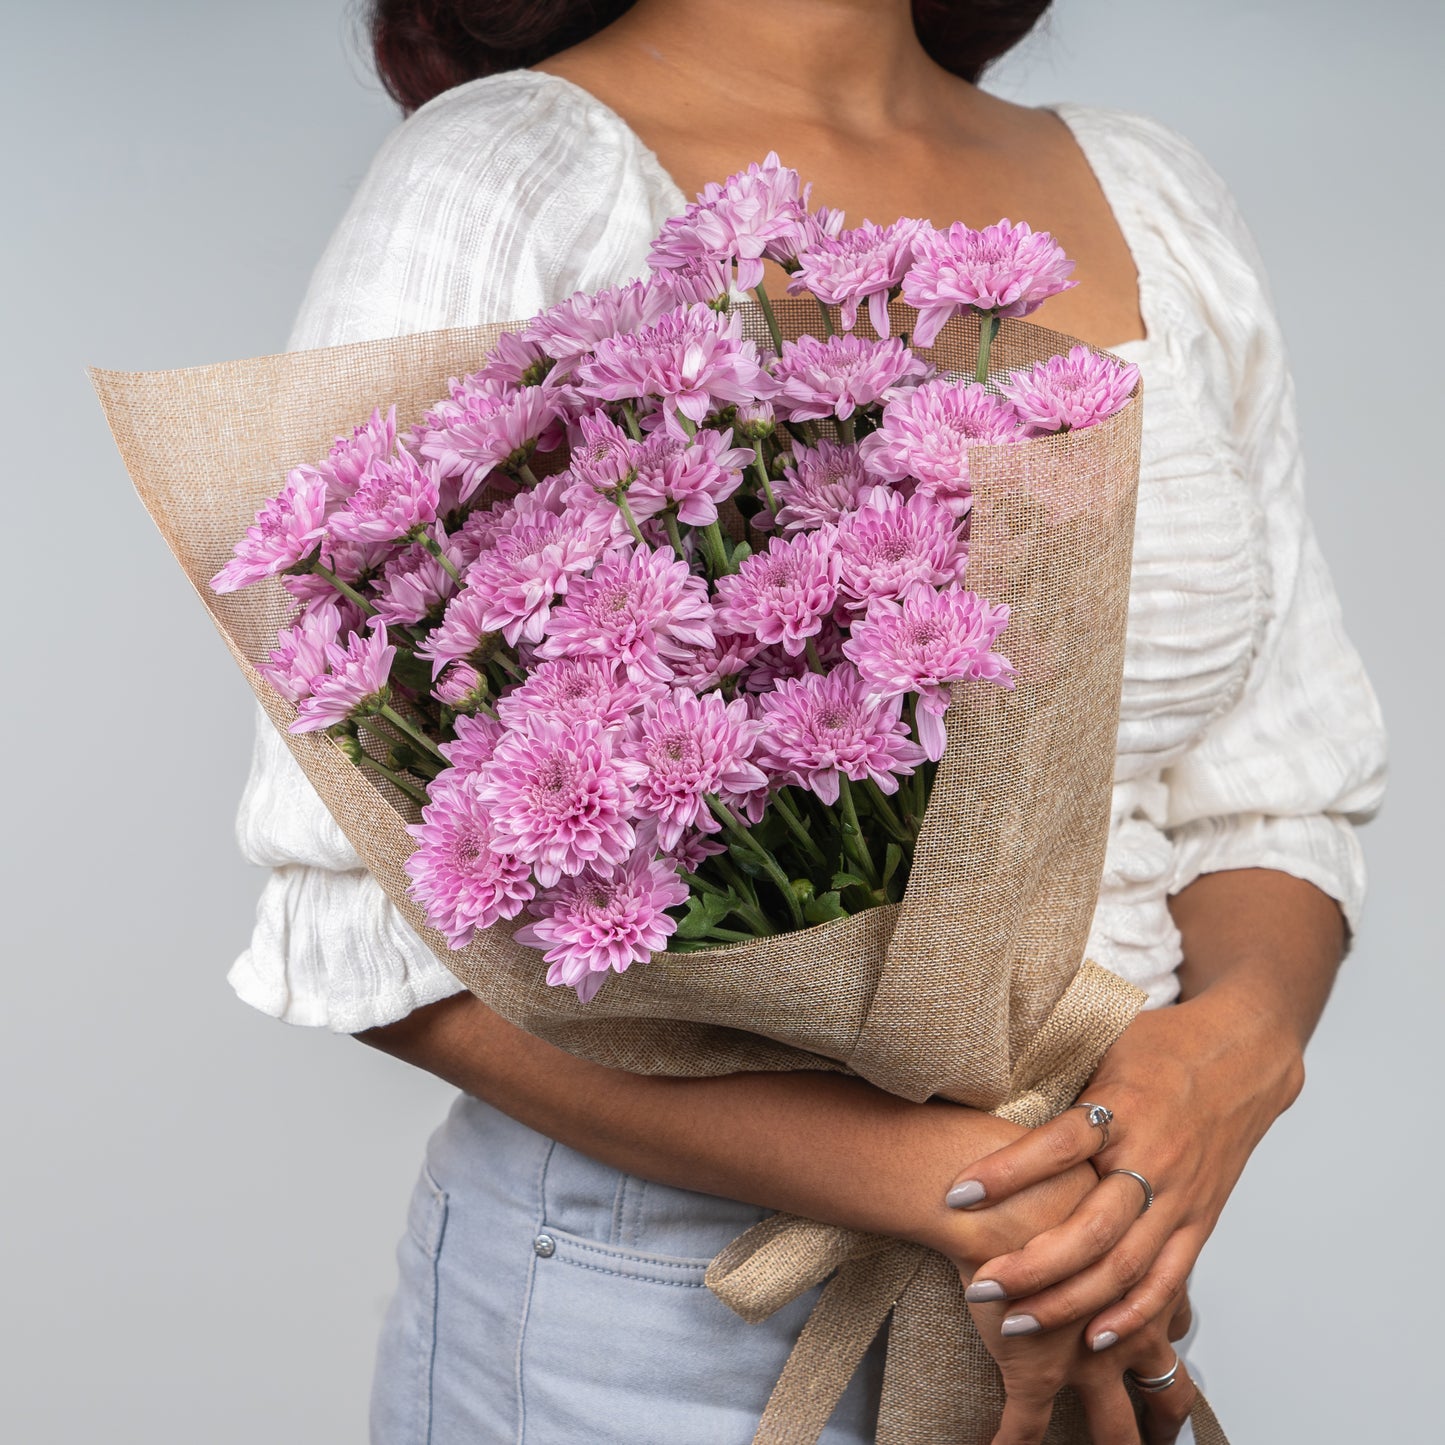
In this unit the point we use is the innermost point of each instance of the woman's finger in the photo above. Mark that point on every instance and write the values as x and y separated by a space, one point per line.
1040 1154
1109 1413
1025 1419
1102 1219
1165 1411
1154 1293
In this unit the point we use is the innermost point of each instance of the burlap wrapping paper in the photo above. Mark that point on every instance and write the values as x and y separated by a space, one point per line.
971 989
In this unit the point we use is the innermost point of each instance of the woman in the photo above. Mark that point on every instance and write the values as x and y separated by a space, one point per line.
551 1275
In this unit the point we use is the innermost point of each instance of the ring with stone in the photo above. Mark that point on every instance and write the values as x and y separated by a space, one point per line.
1099 1118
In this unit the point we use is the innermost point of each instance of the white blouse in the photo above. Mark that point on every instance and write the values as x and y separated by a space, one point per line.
1248 736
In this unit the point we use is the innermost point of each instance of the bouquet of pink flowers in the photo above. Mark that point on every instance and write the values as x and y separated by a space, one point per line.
687 686
672 636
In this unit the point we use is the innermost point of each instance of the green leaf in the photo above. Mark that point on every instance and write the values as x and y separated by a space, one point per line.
891 859
824 908
741 552
696 922
844 879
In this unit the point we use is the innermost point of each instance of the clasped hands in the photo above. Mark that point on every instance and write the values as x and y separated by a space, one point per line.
1070 1281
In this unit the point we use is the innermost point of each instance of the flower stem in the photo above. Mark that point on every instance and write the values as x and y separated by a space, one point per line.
525 474
631 521
630 417
405 785
988 325
853 839
435 548
797 827
669 520
425 767
712 534
760 467
345 588
847 429
810 649
771 318
408 731
748 843
885 810
827 316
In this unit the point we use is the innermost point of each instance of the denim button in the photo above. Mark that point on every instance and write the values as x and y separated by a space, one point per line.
544 1246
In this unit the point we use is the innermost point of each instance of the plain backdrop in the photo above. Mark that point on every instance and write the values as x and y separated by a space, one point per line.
199 1204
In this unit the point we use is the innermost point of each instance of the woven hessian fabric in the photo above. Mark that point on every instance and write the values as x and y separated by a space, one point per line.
971 989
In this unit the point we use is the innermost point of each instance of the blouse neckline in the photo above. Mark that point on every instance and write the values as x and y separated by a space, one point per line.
1076 118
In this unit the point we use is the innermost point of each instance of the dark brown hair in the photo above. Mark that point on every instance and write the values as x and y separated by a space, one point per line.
424 47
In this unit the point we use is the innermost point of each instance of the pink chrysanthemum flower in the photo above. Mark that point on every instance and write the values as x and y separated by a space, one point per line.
488 425
577 325
815 227
286 529
770 665
574 690
461 687
1003 270
529 567
890 543
373 441
705 279
558 798
516 362
414 586
784 594
679 749
476 741
603 456
302 652
460 633
823 726
823 483
1066 393
926 434
709 666
692 359
694 476
865 264
604 921
837 376
357 683
693 850
459 874
394 498
356 563
738 220
924 644
643 610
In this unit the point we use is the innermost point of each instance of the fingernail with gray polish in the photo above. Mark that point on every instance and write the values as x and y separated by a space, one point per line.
984 1291
1103 1340
962 1195
1019 1325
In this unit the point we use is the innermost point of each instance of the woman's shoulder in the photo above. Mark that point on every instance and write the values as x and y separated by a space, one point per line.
491 201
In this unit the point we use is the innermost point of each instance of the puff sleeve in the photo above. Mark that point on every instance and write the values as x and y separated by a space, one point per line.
493 201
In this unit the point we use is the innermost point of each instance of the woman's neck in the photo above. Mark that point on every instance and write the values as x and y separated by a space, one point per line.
853 65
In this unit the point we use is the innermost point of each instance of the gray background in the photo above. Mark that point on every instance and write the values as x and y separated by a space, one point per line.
200 1204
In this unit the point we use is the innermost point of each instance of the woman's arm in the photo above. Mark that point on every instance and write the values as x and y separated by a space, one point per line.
823 1145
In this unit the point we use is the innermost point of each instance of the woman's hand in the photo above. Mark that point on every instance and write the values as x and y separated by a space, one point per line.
1036 1368
1193 1089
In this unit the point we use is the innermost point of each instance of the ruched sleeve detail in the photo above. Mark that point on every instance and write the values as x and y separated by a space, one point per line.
1281 776
495 200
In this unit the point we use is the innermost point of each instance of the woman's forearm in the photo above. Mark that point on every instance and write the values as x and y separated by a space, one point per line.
827 1146
1261 948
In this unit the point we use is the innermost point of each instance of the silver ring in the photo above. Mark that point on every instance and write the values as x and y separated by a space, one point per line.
1151 1385
1144 1184
1099 1118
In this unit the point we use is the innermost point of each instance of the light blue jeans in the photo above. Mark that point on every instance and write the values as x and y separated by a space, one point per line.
546 1299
